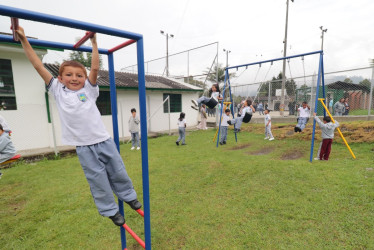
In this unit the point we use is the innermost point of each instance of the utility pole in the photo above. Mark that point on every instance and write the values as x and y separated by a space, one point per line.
284 63
167 49
227 56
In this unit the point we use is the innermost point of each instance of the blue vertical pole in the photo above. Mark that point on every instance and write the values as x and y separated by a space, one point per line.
323 85
113 104
232 107
144 143
223 99
315 106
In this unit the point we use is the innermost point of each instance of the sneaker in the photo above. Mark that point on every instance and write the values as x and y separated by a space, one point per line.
177 142
195 103
295 129
117 219
220 143
132 148
229 122
224 142
271 139
195 108
134 204
266 138
316 159
137 148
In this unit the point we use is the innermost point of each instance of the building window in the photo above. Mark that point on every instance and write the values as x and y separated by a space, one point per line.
175 103
7 93
103 103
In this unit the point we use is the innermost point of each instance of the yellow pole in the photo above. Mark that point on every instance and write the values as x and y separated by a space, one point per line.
340 133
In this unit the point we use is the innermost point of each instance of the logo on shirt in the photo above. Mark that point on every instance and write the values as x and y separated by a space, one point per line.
82 97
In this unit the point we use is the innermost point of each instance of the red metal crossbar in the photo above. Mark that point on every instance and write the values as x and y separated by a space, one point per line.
141 212
140 241
122 45
14 27
89 34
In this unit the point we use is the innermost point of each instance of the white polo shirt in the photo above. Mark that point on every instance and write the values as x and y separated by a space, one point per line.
81 122
304 112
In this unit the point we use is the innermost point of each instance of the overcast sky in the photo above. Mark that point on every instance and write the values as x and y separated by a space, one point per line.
248 28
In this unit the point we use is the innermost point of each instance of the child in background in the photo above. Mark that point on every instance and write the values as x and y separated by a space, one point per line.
7 149
224 126
304 113
134 129
75 94
213 92
203 118
268 134
182 129
246 108
327 128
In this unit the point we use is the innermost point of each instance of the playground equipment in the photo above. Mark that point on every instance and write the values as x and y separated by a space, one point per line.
11 160
227 83
340 133
134 38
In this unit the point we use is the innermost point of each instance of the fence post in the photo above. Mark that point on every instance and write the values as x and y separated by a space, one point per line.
169 113
371 91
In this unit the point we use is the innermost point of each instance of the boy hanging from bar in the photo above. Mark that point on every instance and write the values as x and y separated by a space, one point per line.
328 129
81 123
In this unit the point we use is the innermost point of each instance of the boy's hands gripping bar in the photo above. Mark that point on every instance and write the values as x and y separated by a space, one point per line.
89 34
14 27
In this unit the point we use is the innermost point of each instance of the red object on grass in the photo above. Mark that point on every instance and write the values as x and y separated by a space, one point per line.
140 241
122 45
14 27
13 159
88 35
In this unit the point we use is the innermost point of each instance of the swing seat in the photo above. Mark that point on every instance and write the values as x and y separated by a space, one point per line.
247 117
211 103
13 159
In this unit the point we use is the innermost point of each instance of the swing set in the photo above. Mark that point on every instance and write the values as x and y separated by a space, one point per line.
15 13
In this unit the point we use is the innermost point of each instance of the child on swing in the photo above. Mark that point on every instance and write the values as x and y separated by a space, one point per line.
7 150
75 94
247 107
214 93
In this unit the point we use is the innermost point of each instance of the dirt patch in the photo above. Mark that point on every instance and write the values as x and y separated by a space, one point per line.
263 151
292 155
240 146
357 131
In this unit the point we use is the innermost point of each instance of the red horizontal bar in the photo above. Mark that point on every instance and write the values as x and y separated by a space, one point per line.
140 241
139 211
14 27
122 45
88 35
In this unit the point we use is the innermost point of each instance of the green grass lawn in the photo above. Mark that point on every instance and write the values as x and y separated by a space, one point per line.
361 112
245 195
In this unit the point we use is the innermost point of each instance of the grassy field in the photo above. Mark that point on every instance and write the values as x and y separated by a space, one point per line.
254 194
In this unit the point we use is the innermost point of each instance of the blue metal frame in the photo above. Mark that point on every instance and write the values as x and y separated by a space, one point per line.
320 74
45 18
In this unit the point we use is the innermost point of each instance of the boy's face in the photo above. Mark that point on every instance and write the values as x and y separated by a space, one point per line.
266 111
304 105
133 114
72 77
227 112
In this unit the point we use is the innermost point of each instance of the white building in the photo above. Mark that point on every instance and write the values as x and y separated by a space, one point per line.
32 114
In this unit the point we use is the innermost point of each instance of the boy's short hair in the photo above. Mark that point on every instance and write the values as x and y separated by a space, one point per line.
327 119
227 110
268 110
72 64
133 110
1 127
305 102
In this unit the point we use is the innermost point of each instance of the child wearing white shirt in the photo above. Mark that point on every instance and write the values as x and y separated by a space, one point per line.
182 129
268 134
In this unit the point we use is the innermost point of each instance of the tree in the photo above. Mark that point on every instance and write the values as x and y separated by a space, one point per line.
212 75
276 83
84 58
348 80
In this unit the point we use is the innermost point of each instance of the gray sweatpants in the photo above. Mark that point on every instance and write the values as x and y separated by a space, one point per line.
268 131
224 133
135 139
105 172
237 122
182 135
302 122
